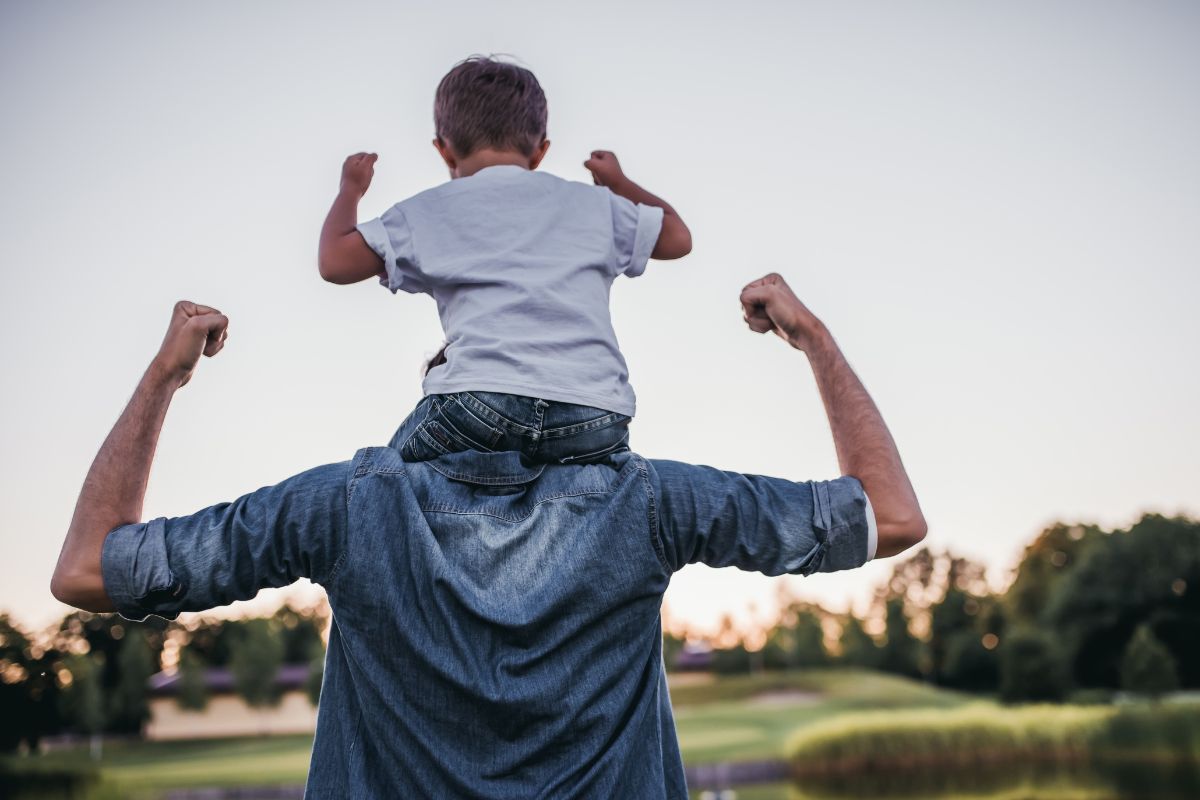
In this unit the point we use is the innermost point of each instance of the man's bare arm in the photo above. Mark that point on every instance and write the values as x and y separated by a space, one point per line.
115 486
865 448
343 256
675 240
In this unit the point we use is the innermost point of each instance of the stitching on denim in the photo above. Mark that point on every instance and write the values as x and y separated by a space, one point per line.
495 432
490 480
652 515
437 508
606 421
446 424
493 417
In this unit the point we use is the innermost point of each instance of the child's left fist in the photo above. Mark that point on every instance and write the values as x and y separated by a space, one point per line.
605 169
357 172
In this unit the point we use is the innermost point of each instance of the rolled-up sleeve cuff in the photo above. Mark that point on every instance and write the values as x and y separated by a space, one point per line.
841 512
375 234
137 577
649 226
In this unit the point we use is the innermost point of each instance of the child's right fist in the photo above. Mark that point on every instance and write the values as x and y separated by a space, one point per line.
357 172
605 169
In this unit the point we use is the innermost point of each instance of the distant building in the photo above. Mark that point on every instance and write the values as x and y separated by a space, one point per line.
227 713
694 657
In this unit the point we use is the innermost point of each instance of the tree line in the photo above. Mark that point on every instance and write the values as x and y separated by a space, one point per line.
1088 612
90 675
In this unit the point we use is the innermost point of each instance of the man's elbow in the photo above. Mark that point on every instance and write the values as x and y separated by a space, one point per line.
65 589
82 591
898 535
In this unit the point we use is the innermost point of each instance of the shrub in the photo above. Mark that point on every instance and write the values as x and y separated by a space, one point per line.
1031 668
1147 666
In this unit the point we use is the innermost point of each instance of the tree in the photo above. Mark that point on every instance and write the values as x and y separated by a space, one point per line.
858 648
104 636
255 663
1047 561
969 664
300 631
193 685
798 641
731 660
29 702
1147 667
901 650
83 702
1148 574
1031 668
129 702
952 617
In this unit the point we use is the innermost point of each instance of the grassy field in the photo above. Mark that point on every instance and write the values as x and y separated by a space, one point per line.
837 715
743 719
746 718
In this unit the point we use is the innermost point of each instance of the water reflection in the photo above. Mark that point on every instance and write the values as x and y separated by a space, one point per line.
1103 780
1097 781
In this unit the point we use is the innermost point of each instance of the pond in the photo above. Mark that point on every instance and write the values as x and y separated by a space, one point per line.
1113 781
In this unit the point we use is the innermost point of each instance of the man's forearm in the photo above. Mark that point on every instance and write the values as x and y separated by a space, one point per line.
112 493
865 448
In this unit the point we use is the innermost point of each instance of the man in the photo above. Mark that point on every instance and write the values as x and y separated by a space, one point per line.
495 625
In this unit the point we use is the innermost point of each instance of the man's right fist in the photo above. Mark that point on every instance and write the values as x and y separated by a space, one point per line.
605 169
770 305
357 172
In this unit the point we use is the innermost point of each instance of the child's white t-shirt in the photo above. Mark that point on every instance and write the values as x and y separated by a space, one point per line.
520 264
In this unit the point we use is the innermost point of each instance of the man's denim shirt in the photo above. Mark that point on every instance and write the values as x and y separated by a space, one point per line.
496 628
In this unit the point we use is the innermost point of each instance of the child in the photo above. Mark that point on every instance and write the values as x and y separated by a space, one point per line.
520 264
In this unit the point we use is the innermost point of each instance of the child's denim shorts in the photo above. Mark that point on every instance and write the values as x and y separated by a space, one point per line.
543 431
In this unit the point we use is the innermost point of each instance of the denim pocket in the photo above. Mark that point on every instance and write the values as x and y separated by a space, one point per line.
449 428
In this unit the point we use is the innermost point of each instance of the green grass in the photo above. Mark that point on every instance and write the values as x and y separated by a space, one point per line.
724 721
141 769
984 734
720 721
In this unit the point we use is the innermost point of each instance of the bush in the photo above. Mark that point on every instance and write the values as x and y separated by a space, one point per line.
983 737
1032 669
960 738
969 665
1147 666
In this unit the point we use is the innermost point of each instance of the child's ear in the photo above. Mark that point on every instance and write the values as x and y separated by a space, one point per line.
539 154
447 155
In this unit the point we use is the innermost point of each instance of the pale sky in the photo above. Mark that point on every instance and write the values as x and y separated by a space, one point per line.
994 206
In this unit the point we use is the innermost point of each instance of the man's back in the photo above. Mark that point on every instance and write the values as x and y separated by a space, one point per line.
496 630
495 626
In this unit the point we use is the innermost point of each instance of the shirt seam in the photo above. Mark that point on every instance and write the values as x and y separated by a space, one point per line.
652 517
438 509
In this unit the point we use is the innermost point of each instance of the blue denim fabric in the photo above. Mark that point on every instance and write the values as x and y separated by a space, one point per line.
542 431
496 629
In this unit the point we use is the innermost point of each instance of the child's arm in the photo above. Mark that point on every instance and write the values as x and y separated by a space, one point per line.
675 240
343 256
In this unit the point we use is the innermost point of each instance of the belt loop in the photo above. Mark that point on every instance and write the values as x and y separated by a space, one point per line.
539 411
